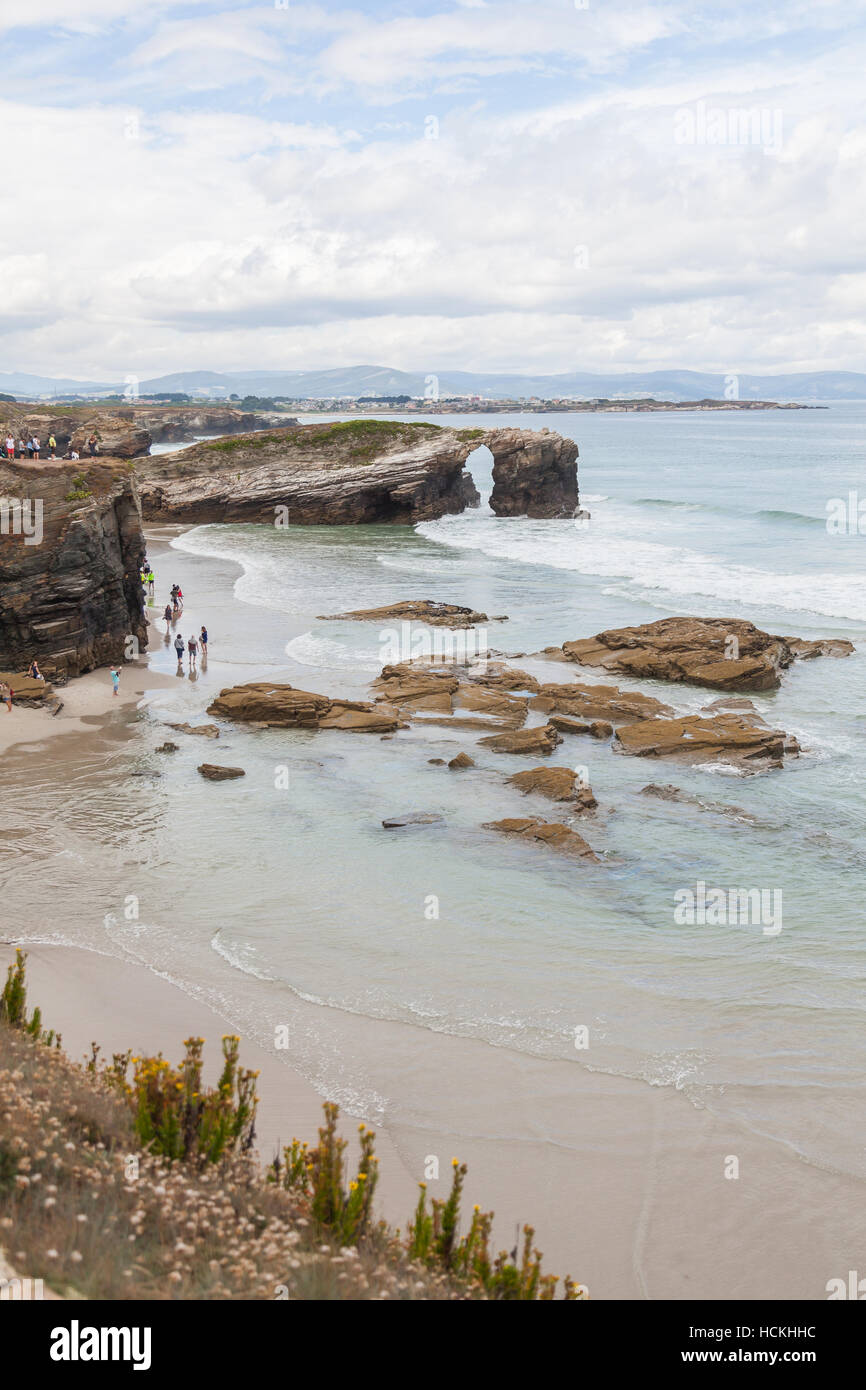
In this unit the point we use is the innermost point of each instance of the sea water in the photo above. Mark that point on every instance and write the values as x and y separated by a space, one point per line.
284 902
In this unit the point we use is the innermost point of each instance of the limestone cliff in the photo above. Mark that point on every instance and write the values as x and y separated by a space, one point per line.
71 546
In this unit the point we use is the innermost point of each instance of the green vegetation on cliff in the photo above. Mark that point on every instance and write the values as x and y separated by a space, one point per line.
147 1187
365 438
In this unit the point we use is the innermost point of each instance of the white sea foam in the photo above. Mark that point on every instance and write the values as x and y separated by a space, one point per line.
652 570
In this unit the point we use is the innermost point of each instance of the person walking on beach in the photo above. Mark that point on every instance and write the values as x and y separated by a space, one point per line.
115 679
151 581
167 613
6 694
192 648
203 641
179 647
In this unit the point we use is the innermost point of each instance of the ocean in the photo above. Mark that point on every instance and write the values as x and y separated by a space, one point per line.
421 972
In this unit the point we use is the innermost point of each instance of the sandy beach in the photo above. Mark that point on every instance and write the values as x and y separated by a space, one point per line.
633 1190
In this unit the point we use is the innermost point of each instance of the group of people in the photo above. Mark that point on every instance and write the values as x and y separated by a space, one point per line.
148 578
32 448
194 644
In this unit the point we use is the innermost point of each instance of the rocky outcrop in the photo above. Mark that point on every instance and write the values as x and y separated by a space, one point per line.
552 833
180 423
722 653
557 784
72 598
582 701
127 431
534 473
347 473
433 691
734 738
418 610
269 705
203 730
359 471
215 772
541 739
461 762
28 692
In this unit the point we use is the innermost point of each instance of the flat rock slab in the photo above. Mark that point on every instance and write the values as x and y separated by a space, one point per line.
731 737
542 739
552 833
413 818
282 706
215 773
722 653
556 783
419 610
594 703
596 728
204 730
26 690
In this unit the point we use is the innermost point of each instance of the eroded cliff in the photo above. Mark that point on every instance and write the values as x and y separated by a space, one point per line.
359 471
71 546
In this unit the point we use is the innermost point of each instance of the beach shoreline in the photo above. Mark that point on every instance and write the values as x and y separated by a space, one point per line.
637 1204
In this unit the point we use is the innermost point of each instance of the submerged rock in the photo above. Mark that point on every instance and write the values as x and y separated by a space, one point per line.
668 792
553 833
204 730
413 818
593 703
215 773
168 748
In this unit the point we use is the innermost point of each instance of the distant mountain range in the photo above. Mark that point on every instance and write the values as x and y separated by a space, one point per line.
388 381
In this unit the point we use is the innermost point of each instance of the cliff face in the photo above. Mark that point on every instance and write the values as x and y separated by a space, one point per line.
341 474
359 471
534 473
70 593
127 431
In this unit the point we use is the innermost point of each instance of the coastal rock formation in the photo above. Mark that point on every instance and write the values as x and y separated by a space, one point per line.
722 653
534 473
552 833
358 471
282 706
179 423
204 730
541 739
336 474
667 792
596 728
462 761
214 772
736 738
70 593
431 691
557 784
413 818
26 691
418 610
582 701
119 433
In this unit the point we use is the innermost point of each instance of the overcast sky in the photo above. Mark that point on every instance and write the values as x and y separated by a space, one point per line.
486 184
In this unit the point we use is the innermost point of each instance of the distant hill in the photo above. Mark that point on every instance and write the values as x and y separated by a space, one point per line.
390 381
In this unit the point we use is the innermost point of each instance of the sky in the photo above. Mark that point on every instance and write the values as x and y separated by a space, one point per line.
509 185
